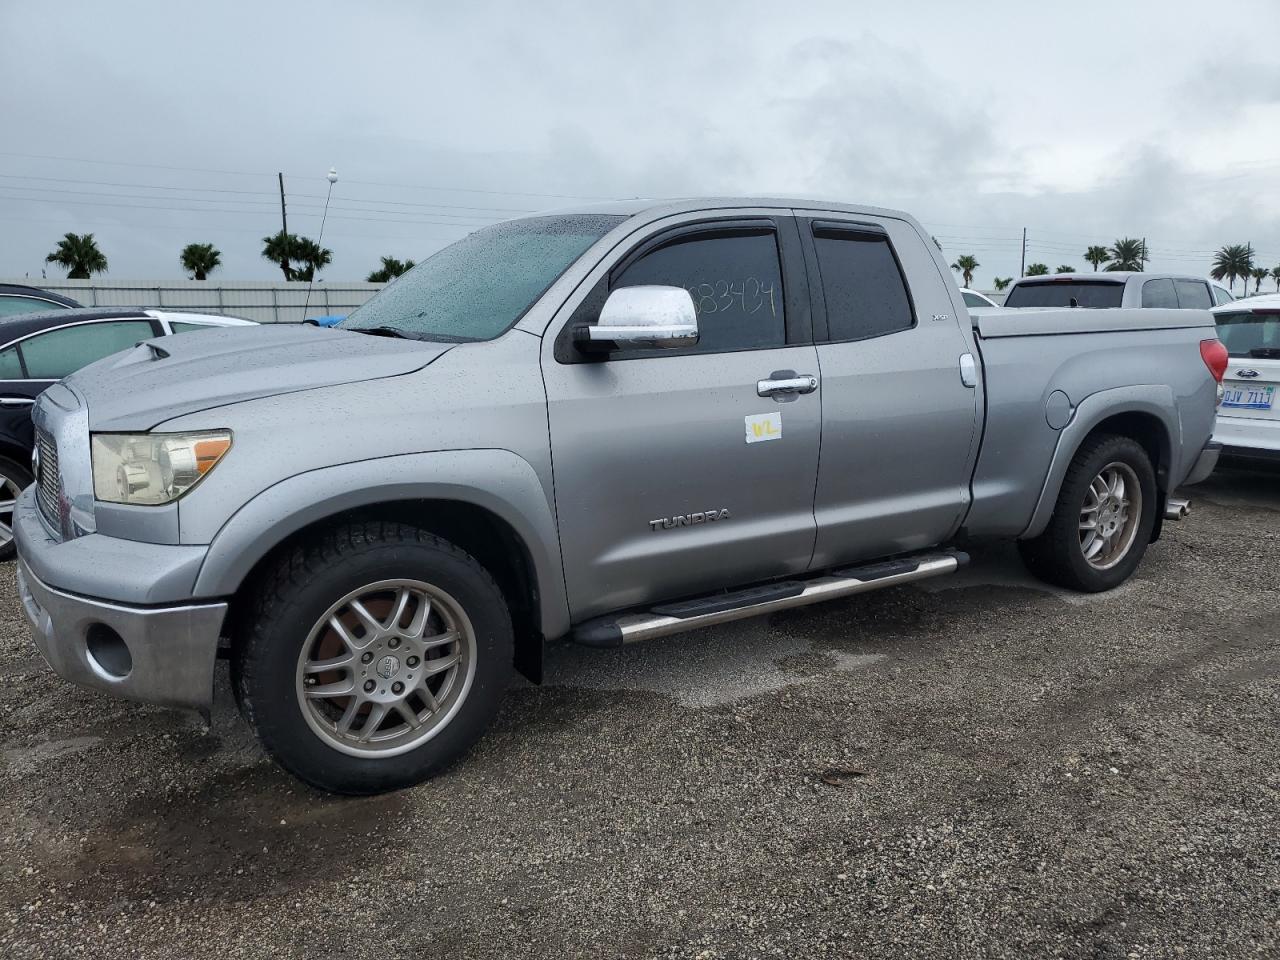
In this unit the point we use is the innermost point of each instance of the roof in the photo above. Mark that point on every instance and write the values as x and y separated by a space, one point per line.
1267 301
22 290
1109 276
630 208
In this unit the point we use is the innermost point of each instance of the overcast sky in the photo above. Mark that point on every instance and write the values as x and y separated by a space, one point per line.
152 127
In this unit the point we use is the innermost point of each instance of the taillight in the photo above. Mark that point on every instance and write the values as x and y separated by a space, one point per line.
1214 355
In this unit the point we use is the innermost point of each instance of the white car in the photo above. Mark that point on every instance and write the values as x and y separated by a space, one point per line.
1248 423
972 298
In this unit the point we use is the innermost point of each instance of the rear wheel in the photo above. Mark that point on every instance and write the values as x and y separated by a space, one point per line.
1101 524
14 478
375 657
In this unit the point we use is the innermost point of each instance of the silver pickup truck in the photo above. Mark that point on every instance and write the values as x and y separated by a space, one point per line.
607 424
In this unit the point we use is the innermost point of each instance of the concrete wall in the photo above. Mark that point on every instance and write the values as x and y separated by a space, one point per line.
263 301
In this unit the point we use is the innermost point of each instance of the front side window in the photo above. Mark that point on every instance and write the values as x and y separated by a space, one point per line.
974 300
862 284
477 288
181 326
735 280
1193 294
1221 296
58 353
1066 293
1159 293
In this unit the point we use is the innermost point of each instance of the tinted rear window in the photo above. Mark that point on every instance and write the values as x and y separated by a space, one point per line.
1193 295
1066 293
1250 334
1159 293
865 291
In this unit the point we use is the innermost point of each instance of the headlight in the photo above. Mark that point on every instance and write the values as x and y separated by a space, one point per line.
153 468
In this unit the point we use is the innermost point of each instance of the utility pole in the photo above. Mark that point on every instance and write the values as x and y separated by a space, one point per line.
1142 264
1022 271
284 232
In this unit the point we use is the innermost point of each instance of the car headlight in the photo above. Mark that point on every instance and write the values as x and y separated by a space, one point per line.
153 468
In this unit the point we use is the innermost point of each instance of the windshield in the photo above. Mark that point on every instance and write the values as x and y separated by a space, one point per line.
1062 293
1250 334
479 287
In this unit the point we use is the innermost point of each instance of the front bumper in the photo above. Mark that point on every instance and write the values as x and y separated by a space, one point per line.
162 655
145 643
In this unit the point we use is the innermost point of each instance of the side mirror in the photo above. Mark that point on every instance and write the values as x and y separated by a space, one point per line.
650 316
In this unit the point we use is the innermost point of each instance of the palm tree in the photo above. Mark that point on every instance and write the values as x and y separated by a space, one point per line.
1275 275
1037 270
1097 256
1232 261
1259 274
200 259
286 250
79 253
966 264
1128 254
1001 284
390 269
1063 268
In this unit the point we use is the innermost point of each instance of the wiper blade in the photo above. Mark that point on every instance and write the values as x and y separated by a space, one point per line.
1265 353
382 332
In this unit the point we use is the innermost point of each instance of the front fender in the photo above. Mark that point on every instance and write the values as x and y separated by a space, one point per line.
1154 399
495 480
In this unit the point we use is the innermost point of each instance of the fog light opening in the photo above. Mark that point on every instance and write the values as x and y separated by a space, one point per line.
107 651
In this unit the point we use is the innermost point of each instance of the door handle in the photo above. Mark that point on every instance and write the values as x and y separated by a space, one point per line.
800 384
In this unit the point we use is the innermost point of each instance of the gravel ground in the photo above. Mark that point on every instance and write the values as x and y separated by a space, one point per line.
981 767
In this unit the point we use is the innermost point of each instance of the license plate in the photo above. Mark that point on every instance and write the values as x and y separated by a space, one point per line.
1249 397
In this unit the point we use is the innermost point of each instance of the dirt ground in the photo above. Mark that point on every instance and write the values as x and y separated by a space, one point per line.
974 767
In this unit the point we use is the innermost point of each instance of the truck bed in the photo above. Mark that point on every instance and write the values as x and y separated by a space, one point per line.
1050 376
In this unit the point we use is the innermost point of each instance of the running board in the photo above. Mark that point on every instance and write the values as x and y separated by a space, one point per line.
670 618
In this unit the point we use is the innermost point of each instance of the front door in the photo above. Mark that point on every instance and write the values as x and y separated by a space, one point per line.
673 474
900 425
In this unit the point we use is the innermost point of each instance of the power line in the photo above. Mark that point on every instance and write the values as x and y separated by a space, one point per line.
248 193
249 173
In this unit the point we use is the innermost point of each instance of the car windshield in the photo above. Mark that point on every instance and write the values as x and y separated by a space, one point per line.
1066 293
1250 334
477 288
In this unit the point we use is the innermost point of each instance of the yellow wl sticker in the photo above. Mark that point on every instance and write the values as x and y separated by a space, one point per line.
764 426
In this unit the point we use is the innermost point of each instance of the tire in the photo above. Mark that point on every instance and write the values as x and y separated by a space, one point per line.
281 661
1060 555
14 478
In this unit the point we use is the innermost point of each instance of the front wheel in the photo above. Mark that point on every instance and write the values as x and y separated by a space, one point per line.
1101 524
376 656
14 478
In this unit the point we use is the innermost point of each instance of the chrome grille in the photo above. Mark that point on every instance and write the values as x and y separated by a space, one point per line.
47 477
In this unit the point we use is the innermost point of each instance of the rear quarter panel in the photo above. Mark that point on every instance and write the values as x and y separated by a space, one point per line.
1158 372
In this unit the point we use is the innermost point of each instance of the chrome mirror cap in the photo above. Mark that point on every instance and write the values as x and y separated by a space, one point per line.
657 316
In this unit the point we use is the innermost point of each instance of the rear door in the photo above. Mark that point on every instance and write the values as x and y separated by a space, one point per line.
676 472
899 423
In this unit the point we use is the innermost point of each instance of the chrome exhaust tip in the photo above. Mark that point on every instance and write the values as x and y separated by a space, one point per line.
1176 508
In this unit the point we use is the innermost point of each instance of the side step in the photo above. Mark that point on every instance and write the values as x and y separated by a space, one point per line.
669 618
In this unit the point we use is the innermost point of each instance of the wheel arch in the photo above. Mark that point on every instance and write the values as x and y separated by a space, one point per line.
487 502
1147 414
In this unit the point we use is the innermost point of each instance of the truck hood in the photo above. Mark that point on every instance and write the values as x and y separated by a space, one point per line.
169 377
